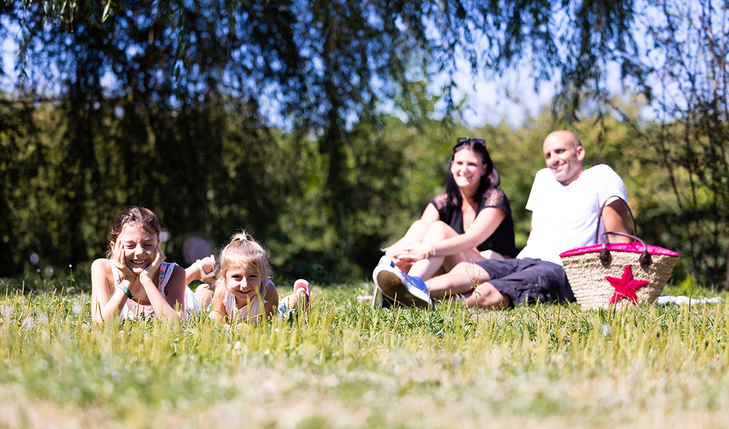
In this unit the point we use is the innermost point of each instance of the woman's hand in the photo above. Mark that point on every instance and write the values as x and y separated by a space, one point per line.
395 252
416 252
120 262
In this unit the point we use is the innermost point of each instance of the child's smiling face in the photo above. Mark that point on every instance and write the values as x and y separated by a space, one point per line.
244 281
138 246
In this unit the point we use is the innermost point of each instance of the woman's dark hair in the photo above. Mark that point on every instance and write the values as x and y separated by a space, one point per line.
476 146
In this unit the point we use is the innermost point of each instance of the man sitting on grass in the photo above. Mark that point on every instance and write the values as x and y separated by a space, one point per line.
565 202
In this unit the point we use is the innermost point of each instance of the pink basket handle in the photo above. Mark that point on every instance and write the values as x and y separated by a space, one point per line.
605 257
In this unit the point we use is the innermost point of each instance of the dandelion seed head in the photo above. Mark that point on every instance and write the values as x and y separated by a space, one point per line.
456 360
48 271
28 323
7 311
76 308
237 345
34 258
605 329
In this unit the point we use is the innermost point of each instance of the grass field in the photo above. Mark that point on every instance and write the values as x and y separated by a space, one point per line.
347 365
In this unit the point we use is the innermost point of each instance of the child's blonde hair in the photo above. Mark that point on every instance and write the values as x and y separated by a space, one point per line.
243 248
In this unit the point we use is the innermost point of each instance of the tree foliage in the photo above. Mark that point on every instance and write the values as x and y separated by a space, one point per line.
684 75
222 114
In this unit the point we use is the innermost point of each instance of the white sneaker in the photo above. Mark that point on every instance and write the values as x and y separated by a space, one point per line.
404 289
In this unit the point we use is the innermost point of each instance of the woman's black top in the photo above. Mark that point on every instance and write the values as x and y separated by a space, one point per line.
502 240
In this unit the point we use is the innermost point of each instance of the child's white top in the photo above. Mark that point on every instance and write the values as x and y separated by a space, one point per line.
135 310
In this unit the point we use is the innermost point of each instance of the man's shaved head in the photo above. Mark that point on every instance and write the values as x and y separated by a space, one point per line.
564 153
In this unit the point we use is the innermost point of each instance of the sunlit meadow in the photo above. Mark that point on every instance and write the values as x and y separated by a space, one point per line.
346 365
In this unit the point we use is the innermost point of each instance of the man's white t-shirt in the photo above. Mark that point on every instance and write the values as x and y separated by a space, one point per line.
565 217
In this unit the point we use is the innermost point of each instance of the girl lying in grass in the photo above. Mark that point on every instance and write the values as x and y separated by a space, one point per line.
134 280
242 289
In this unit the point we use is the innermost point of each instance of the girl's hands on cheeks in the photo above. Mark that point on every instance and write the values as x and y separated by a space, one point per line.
120 262
153 268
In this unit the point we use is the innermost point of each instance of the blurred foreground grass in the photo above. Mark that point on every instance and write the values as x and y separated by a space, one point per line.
346 365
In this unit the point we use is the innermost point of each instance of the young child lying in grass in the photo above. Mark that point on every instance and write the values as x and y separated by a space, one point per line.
134 280
242 289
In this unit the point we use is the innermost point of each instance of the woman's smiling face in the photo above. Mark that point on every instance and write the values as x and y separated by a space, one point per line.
467 168
138 246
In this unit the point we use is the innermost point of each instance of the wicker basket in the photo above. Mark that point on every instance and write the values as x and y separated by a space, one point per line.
618 274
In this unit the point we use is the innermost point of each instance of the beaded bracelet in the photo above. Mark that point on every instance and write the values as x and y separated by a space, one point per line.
124 289
433 246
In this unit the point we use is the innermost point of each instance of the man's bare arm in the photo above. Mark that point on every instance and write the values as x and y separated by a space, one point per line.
615 217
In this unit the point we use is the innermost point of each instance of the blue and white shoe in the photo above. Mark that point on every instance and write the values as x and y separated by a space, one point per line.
409 291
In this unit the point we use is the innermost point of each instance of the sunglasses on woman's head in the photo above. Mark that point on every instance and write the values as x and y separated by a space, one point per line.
469 139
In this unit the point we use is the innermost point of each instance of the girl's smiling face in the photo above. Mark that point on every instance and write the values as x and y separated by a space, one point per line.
139 247
244 281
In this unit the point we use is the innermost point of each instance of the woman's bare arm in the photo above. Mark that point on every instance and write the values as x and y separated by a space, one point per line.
481 229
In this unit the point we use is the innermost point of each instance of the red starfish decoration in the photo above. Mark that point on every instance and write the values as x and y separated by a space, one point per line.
626 286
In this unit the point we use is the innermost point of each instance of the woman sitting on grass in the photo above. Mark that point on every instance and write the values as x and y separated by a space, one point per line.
471 221
243 289
134 280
